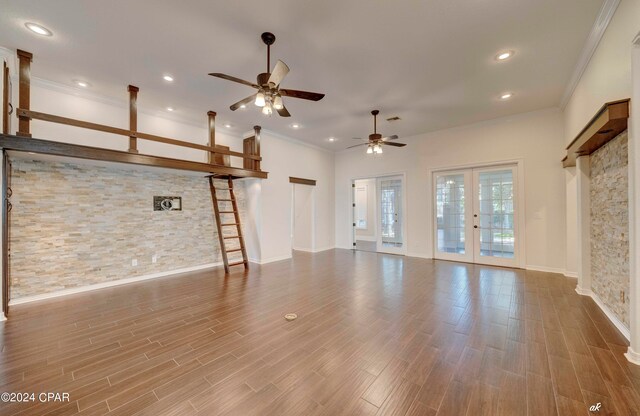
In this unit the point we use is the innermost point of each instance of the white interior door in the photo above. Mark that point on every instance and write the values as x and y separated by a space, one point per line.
390 235
476 216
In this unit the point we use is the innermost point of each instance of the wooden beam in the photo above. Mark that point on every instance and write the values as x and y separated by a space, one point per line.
256 134
5 98
9 142
302 181
212 134
133 117
124 132
24 91
5 232
608 123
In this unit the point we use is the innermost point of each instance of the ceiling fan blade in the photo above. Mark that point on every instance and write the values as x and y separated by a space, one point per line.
279 72
283 112
394 137
395 144
242 102
305 95
234 79
356 145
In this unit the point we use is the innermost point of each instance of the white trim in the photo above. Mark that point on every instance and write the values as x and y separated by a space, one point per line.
365 238
598 29
287 139
97 286
315 250
2 317
271 260
571 274
544 269
614 319
419 256
632 356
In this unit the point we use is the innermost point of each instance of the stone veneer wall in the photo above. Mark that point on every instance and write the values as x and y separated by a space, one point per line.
75 225
610 225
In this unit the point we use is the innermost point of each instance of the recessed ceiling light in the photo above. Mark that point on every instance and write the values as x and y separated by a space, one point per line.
295 126
40 30
503 56
332 139
80 83
168 78
228 125
169 108
243 106
506 96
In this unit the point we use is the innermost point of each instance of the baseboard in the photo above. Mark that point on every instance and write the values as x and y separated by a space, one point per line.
571 274
365 238
272 259
2 317
544 269
632 356
318 250
420 256
614 319
104 285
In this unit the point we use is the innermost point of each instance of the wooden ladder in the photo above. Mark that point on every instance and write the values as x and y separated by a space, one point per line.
224 238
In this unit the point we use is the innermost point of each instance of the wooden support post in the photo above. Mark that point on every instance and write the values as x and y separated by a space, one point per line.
5 98
256 130
133 117
212 135
24 91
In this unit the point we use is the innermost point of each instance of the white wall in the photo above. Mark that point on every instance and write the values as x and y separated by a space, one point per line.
608 74
536 138
283 158
606 78
369 233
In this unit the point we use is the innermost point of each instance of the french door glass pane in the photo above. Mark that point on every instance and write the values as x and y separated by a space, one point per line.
450 213
496 213
391 212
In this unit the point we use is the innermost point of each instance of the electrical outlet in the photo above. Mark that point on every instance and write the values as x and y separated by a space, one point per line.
622 296
154 258
134 262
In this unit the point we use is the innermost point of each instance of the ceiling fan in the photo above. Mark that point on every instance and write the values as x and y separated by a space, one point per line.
376 141
269 95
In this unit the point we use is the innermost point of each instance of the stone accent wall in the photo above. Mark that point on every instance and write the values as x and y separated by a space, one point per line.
75 225
610 225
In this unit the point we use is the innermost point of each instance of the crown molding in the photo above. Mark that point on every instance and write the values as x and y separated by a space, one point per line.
290 139
598 29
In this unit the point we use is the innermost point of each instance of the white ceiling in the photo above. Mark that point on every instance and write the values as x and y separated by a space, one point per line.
429 62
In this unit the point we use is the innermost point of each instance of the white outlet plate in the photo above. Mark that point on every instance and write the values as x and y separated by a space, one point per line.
154 258
134 262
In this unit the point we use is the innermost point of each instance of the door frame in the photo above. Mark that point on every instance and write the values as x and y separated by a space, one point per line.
519 165
352 237
311 249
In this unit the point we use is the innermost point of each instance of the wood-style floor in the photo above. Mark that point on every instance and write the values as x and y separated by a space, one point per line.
375 335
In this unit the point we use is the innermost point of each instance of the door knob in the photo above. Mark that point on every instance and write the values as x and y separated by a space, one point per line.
475 226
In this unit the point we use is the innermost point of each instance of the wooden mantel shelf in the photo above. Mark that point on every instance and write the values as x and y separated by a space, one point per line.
47 147
609 122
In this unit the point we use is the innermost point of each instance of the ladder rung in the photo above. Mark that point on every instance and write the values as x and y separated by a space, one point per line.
234 250
226 200
227 212
237 263
234 236
228 225
221 189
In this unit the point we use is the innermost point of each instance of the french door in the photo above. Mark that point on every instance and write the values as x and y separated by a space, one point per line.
476 215
390 197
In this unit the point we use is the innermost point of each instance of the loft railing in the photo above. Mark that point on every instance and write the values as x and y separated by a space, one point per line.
216 155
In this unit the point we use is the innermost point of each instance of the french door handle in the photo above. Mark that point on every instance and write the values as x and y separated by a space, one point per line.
475 226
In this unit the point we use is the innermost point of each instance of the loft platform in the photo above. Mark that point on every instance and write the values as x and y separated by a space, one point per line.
48 147
217 157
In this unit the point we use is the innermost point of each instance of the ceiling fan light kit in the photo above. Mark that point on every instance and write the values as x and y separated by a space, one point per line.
374 145
269 95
